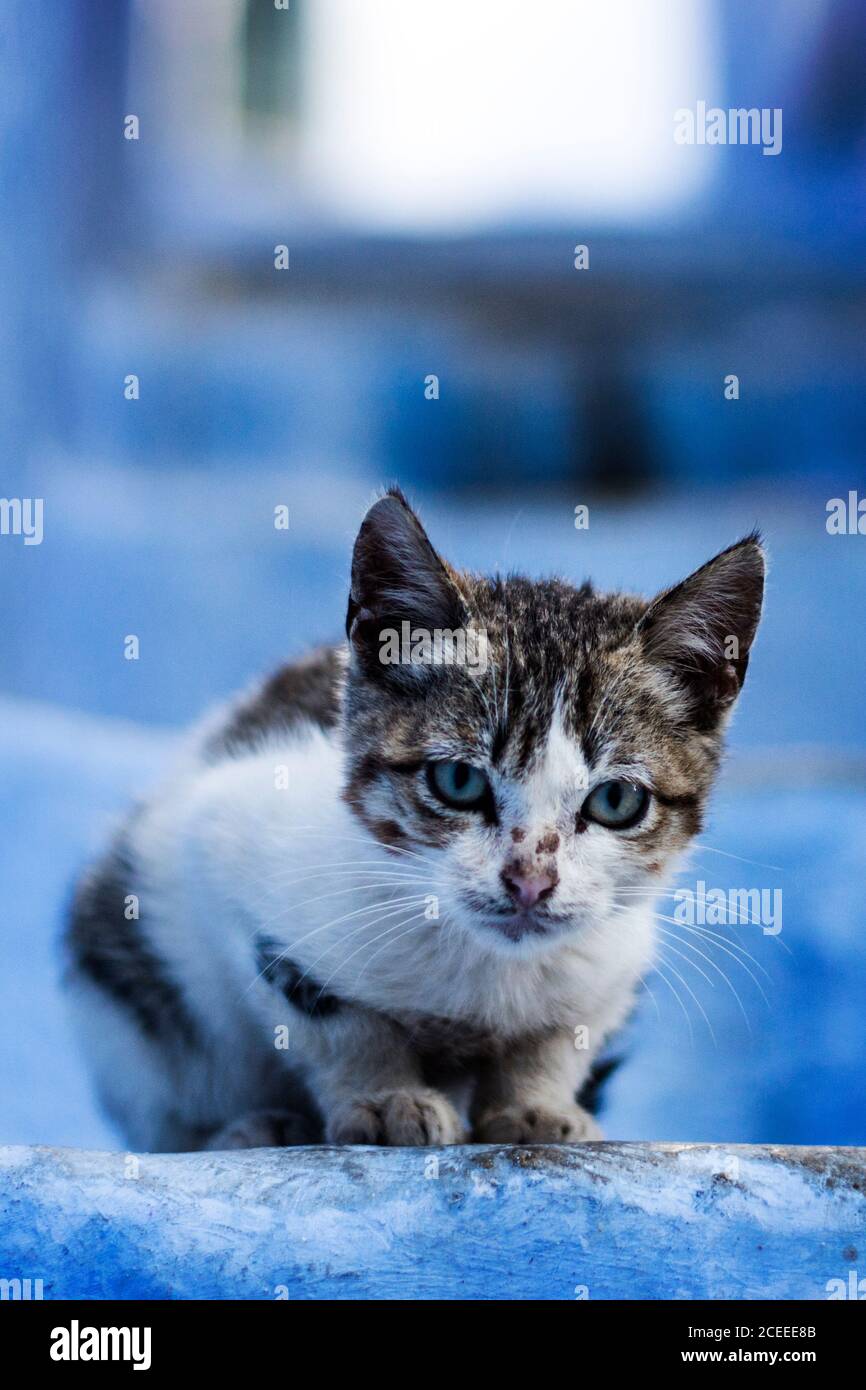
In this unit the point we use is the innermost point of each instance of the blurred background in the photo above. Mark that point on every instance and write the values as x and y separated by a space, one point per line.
430 172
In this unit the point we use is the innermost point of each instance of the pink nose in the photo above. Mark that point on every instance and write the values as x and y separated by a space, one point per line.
528 889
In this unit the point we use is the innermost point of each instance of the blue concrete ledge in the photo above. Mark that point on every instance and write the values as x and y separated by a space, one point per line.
599 1221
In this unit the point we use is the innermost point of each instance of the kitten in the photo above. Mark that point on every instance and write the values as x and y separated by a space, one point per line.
407 902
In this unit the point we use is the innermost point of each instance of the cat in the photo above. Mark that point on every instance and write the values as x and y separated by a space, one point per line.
409 902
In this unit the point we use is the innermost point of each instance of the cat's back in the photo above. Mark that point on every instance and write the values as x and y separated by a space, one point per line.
303 694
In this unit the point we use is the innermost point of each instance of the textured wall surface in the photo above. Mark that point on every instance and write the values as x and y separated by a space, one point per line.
597 1221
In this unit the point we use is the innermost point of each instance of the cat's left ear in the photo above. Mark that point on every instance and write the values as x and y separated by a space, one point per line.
397 578
701 631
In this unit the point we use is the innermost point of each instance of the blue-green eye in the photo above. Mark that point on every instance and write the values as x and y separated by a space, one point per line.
617 805
460 785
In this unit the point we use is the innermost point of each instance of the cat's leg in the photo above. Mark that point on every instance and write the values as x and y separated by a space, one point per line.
132 1072
527 1095
167 1096
266 1129
369 1085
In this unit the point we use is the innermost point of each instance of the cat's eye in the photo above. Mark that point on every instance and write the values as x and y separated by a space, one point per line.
617 804
459 785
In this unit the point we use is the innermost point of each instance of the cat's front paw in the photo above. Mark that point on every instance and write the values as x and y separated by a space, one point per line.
530 1124
411 1118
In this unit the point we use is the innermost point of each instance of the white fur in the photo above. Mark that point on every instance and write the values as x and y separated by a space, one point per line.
224 853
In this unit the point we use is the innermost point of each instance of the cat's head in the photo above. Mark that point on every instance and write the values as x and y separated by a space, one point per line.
557 750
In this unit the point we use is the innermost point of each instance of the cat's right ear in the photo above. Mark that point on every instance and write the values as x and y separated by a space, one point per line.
701 631
397 578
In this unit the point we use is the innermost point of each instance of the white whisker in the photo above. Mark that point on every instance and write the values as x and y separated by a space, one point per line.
362 946
685 984
361 911
756 863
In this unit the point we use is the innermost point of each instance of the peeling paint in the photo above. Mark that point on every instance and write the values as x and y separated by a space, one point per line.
624 1220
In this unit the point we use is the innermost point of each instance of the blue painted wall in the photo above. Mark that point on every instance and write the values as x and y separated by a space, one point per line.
158 513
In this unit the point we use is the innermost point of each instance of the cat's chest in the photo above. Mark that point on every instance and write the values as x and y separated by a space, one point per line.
450 1042
487 1013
